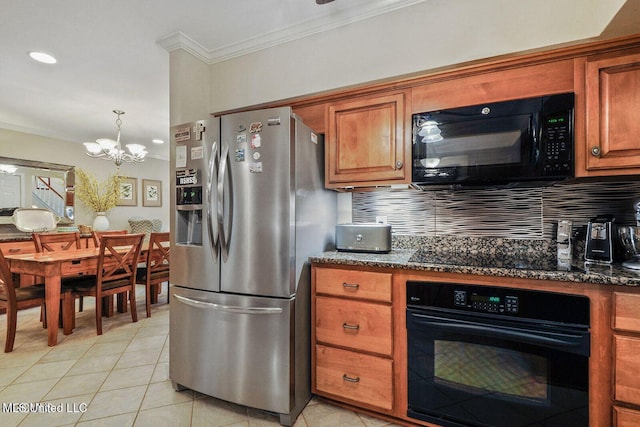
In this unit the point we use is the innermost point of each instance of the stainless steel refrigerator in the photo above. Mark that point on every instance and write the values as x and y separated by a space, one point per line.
249 207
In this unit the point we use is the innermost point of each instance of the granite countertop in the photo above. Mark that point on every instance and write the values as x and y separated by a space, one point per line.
406 259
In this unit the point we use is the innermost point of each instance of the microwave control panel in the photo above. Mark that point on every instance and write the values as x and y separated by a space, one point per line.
557 146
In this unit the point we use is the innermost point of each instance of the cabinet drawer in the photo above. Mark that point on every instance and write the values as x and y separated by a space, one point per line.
355 284
626 367
354 324
355 376
624 417
626 311
18 247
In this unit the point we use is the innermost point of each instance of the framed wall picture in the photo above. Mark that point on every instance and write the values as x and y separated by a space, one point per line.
128 192
151 192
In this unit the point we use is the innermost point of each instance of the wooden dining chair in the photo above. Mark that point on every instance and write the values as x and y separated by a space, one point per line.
115 274
54 242
156 270
97 235
13 299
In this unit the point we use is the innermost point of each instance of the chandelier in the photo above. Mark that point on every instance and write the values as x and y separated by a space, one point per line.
109 149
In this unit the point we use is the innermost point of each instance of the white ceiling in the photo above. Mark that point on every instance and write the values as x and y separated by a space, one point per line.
111 56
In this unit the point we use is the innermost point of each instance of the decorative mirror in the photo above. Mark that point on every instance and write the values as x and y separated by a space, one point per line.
28 183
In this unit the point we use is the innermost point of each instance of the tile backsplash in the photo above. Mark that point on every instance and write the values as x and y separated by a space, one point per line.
505 213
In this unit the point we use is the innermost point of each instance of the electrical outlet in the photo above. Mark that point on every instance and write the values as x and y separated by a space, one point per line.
381 219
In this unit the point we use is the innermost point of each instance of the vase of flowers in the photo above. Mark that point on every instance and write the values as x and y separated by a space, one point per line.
99 196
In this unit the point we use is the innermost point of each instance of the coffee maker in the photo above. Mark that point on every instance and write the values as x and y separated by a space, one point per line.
600 241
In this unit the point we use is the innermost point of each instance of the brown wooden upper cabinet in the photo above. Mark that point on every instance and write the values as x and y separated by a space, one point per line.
612 83
365 142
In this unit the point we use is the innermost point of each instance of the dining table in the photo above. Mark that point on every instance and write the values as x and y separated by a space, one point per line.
53 267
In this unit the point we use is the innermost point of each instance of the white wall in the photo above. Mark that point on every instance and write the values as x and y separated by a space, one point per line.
189 88
33 147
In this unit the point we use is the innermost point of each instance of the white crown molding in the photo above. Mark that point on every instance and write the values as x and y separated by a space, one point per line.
179 40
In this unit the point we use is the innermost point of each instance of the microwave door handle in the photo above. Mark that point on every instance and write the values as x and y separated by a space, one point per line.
558 339
213 165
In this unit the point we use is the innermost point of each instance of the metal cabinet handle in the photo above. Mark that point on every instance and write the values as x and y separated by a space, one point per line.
350 285
346 377
399 164
595 151
352 327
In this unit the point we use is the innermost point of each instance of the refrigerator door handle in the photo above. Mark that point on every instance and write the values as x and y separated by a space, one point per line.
227 308
222 176
213 237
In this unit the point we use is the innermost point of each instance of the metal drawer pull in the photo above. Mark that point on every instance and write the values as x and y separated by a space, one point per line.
345 377
351 285
348 326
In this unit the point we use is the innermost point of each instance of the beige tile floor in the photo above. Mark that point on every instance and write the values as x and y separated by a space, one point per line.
120 379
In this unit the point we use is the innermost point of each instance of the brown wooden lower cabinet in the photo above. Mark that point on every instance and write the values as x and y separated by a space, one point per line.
352 337
364 365
626 359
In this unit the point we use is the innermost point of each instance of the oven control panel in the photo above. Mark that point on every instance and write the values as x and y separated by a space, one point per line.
498 300
487 302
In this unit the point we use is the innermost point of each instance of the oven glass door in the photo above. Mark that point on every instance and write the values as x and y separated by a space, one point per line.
465 372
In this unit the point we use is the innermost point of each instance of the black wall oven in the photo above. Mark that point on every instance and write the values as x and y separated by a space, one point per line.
500 357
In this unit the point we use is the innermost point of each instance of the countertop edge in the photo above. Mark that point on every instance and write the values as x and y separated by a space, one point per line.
399 259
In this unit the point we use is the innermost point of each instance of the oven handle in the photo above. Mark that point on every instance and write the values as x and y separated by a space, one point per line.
542 338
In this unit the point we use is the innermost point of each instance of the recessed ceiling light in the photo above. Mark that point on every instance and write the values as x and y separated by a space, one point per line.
157 141
45 58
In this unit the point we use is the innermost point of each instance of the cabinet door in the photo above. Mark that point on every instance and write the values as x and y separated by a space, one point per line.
366 142
613 102
627 365
626 311
366 285
624 417
355 376
354 324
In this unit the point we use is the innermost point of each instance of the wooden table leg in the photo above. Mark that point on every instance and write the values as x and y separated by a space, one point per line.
68 312
52 302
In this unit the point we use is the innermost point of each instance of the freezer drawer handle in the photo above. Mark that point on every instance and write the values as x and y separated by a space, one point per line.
352 327
346 377
228 308
353 286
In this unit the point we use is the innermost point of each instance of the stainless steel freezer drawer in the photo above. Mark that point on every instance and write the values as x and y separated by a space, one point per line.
235 348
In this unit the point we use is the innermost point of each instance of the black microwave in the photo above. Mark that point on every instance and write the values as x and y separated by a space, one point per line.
521 141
